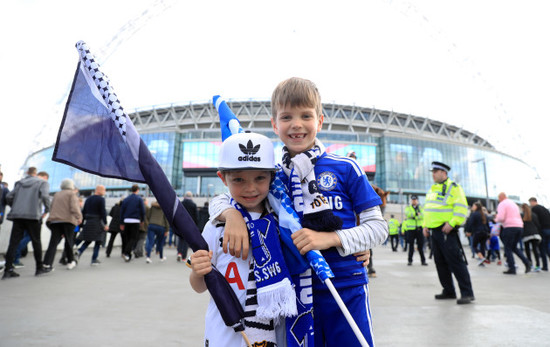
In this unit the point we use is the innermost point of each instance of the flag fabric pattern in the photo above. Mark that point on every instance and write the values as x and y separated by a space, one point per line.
98 137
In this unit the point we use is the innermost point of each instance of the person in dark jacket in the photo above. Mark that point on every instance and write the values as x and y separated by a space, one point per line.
3 194
531 235
94 224
30 202
544 218
114 228
478 227
191 208
132 214
204 216
142 236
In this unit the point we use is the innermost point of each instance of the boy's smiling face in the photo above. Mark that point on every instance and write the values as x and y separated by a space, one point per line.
248 187
297 127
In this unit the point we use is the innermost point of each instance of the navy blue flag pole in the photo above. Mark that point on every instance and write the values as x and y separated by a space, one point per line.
98 137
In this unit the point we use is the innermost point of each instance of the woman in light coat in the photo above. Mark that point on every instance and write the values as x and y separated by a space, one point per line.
64 216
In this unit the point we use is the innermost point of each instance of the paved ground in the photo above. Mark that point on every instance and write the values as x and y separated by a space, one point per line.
139 304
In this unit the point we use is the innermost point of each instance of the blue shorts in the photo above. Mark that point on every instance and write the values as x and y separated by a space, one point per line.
493 244
331 327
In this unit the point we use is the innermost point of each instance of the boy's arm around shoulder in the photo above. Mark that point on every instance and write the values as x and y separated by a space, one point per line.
235 237
218 205
371 231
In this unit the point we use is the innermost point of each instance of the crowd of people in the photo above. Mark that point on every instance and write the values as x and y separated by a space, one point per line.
522 230
79 222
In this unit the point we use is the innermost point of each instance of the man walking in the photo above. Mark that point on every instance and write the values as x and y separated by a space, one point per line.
132 214
512 227
26 201
413 225
444 211
544 219
95 223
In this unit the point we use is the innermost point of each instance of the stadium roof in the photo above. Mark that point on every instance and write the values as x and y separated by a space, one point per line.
255 114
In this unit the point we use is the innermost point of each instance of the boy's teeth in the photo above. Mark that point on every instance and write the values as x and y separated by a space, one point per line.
297 136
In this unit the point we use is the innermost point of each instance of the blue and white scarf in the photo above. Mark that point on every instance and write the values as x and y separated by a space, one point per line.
299 329
276 295
312 207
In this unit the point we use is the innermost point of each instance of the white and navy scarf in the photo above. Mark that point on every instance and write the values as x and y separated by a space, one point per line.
270 293
310 204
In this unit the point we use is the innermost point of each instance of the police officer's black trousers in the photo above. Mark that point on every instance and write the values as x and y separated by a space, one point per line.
417 235
394 240
449 259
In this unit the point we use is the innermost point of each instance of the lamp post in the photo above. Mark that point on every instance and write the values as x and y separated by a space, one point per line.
486 184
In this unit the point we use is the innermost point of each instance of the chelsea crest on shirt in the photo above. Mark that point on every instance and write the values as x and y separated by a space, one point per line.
327 181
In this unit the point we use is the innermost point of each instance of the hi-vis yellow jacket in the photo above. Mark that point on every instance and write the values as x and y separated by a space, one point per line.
413 219
393 226
445 202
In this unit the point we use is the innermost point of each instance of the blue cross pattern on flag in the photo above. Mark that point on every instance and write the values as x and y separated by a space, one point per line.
98 137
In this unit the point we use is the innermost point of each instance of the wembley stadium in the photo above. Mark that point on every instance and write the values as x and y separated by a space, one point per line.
394 149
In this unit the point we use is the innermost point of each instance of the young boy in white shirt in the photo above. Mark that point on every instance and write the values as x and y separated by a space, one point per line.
247 168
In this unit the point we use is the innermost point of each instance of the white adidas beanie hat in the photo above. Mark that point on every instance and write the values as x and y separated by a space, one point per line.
247 151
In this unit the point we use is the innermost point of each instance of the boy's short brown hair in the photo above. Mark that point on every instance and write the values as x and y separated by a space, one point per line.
295 92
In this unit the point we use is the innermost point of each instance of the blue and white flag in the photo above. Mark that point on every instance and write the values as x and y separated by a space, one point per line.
98 137
289 222
229 123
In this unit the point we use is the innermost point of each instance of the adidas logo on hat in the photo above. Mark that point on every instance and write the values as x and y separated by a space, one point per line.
249 151
257 154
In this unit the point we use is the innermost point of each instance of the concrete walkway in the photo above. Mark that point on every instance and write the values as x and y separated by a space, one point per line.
139 304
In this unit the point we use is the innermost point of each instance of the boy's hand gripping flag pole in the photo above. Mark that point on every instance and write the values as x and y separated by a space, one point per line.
98 137
289 221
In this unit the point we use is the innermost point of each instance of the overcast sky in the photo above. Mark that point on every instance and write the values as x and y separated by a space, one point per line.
481 65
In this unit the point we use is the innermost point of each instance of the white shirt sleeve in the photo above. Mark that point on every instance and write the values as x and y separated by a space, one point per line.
371 231
217 205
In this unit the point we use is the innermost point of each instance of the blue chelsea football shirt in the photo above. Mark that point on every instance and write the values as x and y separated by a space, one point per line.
348 191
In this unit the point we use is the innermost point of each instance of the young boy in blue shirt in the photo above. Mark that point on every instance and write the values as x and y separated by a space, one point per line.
297 118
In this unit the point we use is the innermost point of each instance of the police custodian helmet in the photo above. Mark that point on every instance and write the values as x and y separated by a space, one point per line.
436 165
247 151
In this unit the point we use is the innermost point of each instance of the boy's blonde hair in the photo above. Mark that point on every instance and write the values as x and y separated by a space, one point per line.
296 92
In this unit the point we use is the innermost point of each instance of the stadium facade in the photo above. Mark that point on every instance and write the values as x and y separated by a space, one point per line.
394 149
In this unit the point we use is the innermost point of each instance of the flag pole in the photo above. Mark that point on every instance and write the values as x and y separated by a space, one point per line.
346 313
246 340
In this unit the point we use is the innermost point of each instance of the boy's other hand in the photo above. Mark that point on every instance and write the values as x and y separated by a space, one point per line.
235 235
201 262
306 240
363 257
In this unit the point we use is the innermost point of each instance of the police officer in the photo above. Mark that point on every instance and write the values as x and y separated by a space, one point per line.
413 224
444 211
393 227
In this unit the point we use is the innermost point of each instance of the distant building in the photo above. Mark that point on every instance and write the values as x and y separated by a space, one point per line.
394 149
